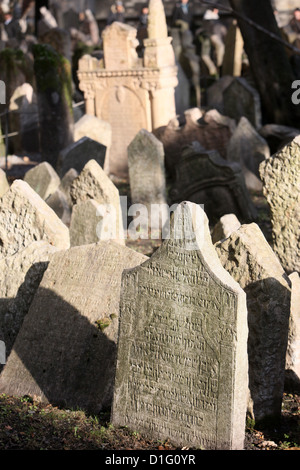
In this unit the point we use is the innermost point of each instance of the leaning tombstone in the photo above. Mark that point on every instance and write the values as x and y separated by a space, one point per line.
292 365
43 179
182 353
249 259
20 276
77 154
25 217
280 175
65 352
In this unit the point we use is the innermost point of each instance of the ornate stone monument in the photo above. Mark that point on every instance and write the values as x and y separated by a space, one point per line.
129 92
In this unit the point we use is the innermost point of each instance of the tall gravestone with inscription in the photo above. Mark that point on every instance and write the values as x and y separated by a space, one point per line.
182 355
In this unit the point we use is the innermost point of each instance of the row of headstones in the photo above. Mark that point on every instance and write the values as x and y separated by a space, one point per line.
181 344
202 176
31 233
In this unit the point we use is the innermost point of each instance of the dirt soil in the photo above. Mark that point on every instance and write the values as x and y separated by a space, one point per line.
29 425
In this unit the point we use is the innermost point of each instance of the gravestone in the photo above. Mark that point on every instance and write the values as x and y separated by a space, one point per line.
227 224
249 259
21 274
43 179
146 169
212 130
65 183
66 349
204 177
91 222
96 129
280 175
182 353
248 148
77 154
292 365
25 218
4 185
93 183
241 99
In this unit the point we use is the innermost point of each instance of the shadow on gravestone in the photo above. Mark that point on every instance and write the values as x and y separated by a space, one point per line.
61 359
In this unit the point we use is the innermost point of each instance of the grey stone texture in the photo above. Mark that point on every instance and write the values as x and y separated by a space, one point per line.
182 355
93 183
20 276
280 175
249 149
249 259
292 365
25 218
43 179
65 351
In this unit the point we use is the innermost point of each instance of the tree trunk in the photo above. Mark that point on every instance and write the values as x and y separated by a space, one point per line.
269 62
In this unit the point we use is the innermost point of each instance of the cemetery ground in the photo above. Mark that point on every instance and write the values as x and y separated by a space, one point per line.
26 424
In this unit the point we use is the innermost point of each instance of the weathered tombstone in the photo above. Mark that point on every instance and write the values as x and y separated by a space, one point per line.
93 183
66 349
91 222
182 352
4 185
43 179
66 181
54 94
204 177
280 175
147 172
249 259
227 224
212 130
292 365
25 217
241 99
249 149
96 129
77 154
21 274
